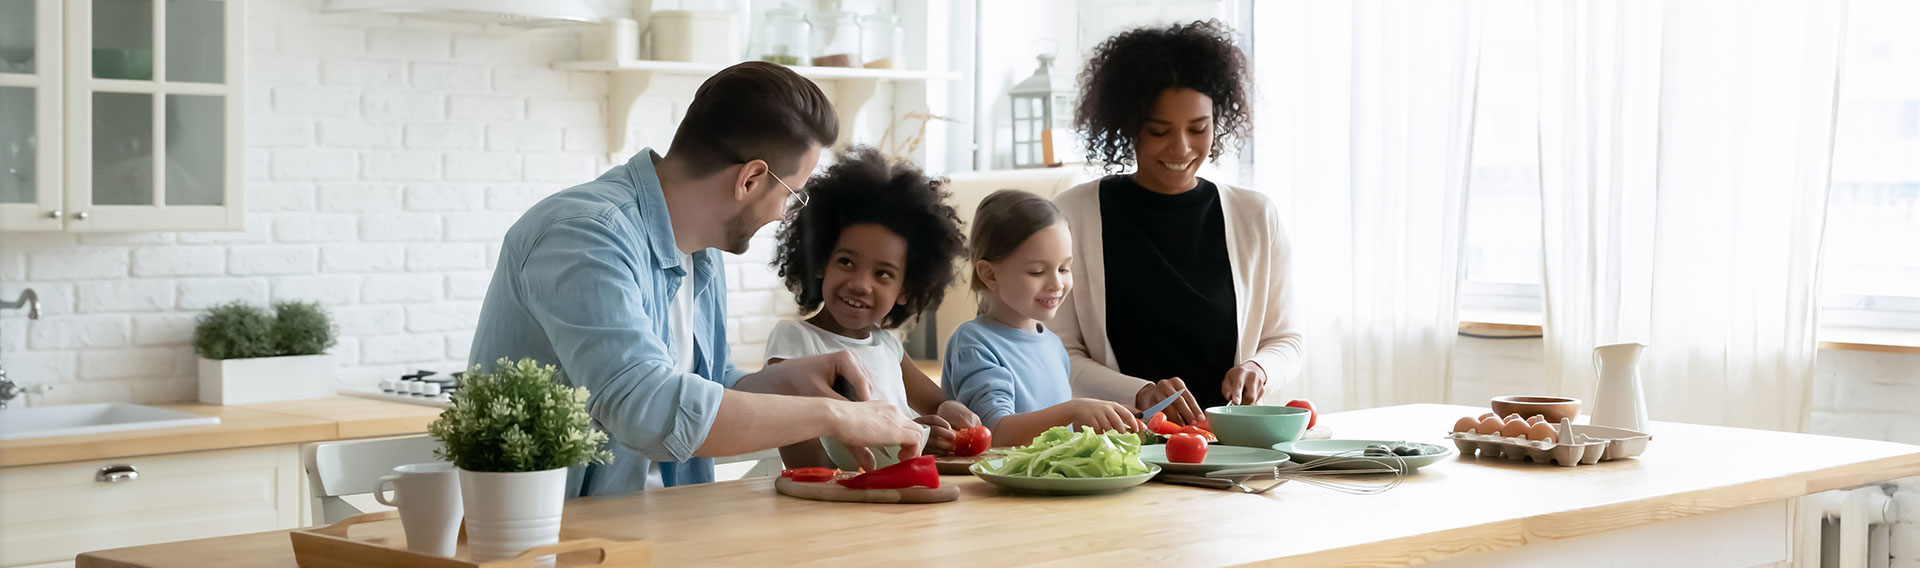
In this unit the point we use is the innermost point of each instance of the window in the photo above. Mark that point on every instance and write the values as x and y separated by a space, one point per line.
1871 260
1502 247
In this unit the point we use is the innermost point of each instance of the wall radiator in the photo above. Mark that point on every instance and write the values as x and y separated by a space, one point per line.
1862 527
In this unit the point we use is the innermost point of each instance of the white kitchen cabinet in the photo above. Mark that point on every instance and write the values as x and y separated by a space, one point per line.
121 115
49 513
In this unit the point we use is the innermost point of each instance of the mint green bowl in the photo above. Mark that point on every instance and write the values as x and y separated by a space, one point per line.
1257 426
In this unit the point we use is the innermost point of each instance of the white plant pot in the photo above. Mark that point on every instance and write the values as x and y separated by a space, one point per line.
267 379
508 513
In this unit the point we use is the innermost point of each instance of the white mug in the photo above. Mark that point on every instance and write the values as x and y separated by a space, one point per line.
428 496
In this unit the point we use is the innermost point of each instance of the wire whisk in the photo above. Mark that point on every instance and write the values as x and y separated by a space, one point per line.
1317 472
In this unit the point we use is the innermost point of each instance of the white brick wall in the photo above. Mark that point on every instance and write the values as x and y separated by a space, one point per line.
386 157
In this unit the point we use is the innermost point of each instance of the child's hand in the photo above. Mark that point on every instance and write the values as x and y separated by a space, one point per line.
1102 415
958 416
940 440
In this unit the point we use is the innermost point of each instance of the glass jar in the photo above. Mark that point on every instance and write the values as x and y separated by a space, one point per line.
784 37
881 41
836 40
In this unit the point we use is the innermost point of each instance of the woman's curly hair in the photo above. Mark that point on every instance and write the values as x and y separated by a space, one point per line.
864 186
1128 72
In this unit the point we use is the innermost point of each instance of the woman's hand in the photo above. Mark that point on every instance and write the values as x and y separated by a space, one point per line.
940 435
1185 411
1245 383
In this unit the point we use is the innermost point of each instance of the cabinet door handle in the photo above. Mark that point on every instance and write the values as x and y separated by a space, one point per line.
81 215
56 214
116 473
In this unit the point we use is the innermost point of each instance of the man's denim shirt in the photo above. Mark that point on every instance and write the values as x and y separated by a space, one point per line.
584 282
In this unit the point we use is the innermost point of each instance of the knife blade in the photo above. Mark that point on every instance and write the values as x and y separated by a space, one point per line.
1162 405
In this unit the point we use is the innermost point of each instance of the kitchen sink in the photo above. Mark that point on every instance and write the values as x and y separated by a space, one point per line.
72 419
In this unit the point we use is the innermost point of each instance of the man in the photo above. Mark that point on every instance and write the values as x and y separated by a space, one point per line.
615 281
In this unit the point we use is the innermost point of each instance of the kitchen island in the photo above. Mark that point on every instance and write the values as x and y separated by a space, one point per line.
1700 496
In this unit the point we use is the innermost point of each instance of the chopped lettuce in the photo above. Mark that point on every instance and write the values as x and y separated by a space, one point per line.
1061 452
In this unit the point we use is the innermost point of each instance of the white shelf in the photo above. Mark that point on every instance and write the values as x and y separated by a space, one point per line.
815 73
631 80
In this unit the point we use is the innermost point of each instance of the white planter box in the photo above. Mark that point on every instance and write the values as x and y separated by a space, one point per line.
266 379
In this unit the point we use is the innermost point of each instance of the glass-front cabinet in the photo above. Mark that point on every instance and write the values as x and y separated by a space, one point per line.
121 115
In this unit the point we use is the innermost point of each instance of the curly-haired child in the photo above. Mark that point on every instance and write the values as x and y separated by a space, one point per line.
874 246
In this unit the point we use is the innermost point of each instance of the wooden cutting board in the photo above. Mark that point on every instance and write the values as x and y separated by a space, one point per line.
956 465
830 491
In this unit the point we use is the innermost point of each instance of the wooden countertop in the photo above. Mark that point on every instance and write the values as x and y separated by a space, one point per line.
240 426
1456 506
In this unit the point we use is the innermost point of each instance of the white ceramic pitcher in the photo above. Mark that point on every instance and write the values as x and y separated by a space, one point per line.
1618 401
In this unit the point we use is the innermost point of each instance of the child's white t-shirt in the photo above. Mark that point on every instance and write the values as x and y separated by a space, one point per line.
879 356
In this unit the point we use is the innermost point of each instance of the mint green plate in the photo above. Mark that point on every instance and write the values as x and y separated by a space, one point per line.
1218 458
1304 451
1061 485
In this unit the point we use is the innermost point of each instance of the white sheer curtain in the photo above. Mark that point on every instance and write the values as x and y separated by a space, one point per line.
1366 113
1693 224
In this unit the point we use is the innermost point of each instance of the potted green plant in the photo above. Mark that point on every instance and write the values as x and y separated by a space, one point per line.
249 355
513 433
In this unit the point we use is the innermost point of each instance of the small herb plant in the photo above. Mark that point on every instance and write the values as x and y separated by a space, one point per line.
301 328
518 419
238 330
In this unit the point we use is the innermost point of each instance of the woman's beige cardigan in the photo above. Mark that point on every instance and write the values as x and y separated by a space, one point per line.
1257 252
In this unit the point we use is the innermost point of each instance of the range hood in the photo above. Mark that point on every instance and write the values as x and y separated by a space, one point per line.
520 13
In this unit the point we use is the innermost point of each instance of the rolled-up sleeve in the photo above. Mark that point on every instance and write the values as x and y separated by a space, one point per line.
584 290
985 386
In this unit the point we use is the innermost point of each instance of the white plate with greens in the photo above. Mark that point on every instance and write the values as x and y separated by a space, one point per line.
1061 485
1062 461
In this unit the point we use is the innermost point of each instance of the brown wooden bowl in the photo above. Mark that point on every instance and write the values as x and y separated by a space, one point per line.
1553 408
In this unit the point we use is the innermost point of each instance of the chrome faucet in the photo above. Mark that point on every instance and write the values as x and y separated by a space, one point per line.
27 298
9 390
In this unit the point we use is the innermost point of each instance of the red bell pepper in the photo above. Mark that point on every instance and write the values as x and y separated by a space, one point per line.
810 474
1202 433
1160 425
916 472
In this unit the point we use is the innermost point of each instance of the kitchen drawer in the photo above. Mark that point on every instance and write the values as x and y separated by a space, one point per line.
49 513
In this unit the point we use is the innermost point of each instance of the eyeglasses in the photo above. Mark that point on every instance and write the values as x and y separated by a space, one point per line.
799 198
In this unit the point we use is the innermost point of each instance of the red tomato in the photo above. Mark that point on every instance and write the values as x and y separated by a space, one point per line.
1160 425
1186 448
972 441
810 474
1313 416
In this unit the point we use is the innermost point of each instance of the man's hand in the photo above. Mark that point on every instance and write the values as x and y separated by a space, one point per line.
1186 411
1245 383
810 376
861 425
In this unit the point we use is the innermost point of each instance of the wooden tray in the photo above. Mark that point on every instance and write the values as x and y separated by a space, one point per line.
385 546
829 491
956 465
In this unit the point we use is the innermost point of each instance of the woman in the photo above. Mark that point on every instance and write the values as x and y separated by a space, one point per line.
1187 281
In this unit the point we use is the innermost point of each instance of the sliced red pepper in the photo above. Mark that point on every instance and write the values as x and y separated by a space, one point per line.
810 474
1160 425
1198 431
916 472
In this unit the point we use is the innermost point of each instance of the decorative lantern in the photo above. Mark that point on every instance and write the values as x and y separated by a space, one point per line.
1042 117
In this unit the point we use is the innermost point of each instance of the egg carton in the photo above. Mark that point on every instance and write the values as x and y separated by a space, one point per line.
1594 444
